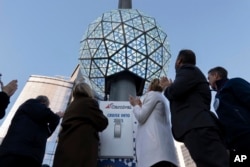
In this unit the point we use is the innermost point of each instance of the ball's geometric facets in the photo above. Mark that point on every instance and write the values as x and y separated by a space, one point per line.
123 40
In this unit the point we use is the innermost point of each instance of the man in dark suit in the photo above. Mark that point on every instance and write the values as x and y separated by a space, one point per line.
232 105
192 121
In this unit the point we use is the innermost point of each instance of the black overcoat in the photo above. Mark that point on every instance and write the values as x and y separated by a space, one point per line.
30 127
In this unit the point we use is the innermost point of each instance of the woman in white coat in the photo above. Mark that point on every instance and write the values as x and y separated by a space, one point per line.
154 140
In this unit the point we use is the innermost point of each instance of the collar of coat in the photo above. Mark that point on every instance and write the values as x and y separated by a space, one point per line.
220 83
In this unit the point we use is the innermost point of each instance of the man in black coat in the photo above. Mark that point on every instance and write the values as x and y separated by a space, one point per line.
192 121
25 141
5 94
232 105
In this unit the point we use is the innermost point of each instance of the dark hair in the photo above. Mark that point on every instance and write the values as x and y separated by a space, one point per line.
187 56
43 99
222 72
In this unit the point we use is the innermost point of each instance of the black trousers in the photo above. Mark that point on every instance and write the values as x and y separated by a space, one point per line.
238 148
11 160
241 144
206 147
163 164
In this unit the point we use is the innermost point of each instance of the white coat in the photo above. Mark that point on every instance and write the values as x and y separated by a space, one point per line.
154 139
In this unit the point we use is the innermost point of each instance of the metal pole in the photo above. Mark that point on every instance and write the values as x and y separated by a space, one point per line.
121 87
125 4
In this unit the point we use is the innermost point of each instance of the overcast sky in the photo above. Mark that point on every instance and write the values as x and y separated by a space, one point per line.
42 37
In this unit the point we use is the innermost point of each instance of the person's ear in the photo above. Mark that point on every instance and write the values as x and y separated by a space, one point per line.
179 61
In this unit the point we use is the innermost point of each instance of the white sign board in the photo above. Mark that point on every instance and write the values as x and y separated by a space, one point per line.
117 139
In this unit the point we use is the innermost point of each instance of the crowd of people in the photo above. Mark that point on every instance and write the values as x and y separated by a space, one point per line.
209 137
34 122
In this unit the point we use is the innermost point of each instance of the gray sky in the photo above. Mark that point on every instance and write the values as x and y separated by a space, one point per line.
42 37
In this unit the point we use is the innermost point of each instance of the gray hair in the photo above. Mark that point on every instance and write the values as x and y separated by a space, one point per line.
43 99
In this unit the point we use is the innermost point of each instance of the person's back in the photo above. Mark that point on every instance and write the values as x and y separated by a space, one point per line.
79 139
190 99
232 99
30 127
153 133
193 122
232 105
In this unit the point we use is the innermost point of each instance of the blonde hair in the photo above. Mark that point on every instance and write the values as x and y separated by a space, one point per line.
83 89
155 85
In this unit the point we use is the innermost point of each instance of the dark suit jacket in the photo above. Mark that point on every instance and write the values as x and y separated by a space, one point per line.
190 99
4 101
232 105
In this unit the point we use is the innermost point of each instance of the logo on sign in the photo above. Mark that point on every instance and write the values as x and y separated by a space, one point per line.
113 106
